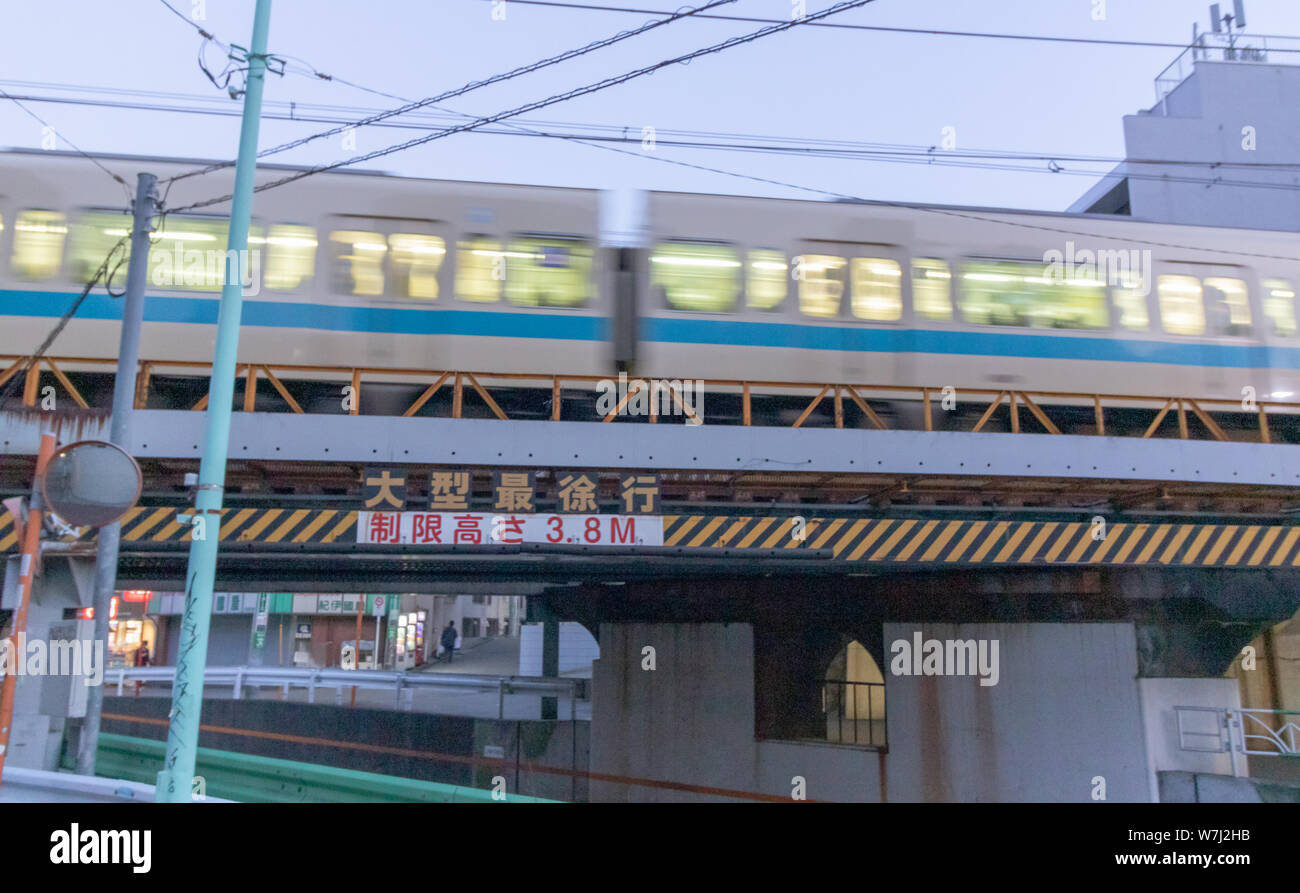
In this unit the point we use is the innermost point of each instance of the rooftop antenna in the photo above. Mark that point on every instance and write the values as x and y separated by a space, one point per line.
1230 23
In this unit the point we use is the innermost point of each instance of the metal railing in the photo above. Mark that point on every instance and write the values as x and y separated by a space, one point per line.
1255 732
402 684
855 712
1226 47
670 404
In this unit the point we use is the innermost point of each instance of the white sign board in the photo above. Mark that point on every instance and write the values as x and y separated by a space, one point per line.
485 528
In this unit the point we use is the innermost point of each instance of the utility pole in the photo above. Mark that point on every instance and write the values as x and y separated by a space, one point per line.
128 361
176 779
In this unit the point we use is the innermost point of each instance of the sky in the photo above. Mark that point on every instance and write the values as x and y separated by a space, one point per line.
806 83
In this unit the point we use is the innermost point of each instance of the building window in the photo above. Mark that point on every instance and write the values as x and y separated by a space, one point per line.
853 699
818 684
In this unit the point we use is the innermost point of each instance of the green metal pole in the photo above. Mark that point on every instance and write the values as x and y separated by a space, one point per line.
176 778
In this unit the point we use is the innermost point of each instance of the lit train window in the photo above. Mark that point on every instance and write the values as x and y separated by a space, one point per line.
696 276
480 269
548 272
931 288
358 262
38 244
877 289
766 277
1018 293
189 253
821 284
1279 306
93 235
290 256
414 262
1181 310
1130 298
1231 313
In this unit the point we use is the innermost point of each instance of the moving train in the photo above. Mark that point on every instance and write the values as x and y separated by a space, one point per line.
368 269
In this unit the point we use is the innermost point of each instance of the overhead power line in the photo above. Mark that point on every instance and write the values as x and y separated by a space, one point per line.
294 111
75 147
473 85
989 160
852 26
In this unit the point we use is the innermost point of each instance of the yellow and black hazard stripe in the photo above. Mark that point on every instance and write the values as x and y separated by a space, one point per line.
144 525
929 542
8 535
939 543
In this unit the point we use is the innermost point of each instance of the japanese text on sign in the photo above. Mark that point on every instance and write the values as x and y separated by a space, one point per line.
483 528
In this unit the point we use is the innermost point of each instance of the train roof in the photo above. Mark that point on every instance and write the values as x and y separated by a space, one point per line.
879 203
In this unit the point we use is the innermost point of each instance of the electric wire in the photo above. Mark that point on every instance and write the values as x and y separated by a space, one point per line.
474 85
929 32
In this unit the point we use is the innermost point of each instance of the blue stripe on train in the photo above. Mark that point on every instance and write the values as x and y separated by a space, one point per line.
533 324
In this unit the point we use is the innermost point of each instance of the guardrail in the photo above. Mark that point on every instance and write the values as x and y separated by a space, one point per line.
667 398
254 779
402 684
1223 47
1255 732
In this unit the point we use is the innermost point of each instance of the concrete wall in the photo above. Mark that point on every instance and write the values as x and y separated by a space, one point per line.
1159 698
1206 116
1064 711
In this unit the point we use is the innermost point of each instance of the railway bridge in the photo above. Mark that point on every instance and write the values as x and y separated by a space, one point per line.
838 591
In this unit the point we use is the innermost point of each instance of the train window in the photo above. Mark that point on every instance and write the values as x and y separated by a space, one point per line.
1279 306
877 289
1016 293
358 262
765 285
189 253
931 288
480 269
548 272
38 244
93 235
1231 312
821 284
696 276
413 262
1130 298
290 256
1181 310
